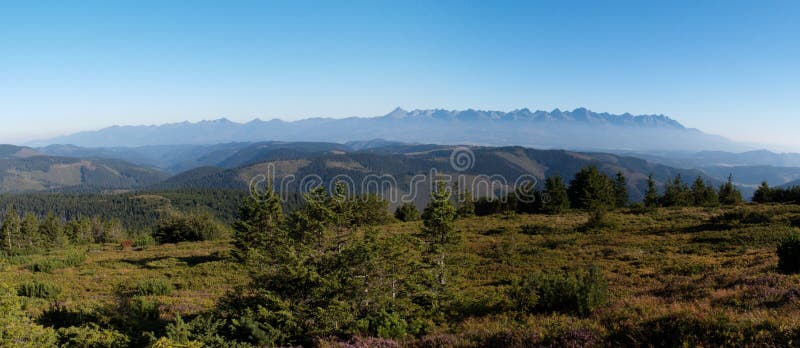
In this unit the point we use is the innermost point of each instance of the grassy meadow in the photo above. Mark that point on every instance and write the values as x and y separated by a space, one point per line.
675 276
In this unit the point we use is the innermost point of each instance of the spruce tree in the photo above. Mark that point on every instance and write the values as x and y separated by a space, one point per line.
260 224
407 212
10 232
763 194
558 200
677 193
651 196
29 230
438 229
703 195
526 199
591 189
465 203
52 231
729 194
621 190
438 218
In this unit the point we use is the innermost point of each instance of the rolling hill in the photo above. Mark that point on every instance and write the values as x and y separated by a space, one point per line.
24 169
234 165
404 162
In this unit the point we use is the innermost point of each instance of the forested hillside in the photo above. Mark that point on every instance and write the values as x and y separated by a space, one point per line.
25 170
135 210
405 161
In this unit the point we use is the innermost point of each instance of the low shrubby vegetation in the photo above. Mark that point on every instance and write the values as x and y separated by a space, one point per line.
153 287
71 259
180 227
577 266
37 289
789 254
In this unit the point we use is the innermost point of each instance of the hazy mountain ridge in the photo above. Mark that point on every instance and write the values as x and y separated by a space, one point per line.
26 170
403 162
685 159
579 129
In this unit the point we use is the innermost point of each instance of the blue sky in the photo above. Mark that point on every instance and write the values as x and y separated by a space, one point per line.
726 67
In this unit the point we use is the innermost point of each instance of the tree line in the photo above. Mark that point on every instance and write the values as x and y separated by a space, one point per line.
591 189
767 194
27 234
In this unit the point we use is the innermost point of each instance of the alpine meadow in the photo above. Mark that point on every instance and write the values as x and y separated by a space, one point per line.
238 174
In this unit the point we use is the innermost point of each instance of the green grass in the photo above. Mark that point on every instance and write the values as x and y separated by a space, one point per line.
708 276
185 279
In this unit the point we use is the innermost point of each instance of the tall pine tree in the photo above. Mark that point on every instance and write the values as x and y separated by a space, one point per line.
621 190
591 189
557 198
651 195
260 224
10 232
729 194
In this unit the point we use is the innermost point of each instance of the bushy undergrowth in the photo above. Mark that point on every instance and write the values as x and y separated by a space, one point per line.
153 287
571 293
37 289
188 228
144 309
744 216
72 259
600 219
789 254
90 336
144 240
665 278
540 229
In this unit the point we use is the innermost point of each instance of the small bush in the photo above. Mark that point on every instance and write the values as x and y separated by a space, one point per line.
789 254
599 219
45 266
384 324
153 287
522 296
407 212
74 259
743 216
188 228
90 336
144 240
578 293
60 316
71 260
539 229
144 309
38 290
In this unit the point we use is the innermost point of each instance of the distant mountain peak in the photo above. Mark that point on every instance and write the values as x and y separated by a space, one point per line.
579 129
398 112
579 115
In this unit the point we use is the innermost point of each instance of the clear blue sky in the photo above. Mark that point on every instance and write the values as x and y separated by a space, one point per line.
726 67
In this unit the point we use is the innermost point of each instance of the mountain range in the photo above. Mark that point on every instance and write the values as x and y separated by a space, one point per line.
579 129
225 154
